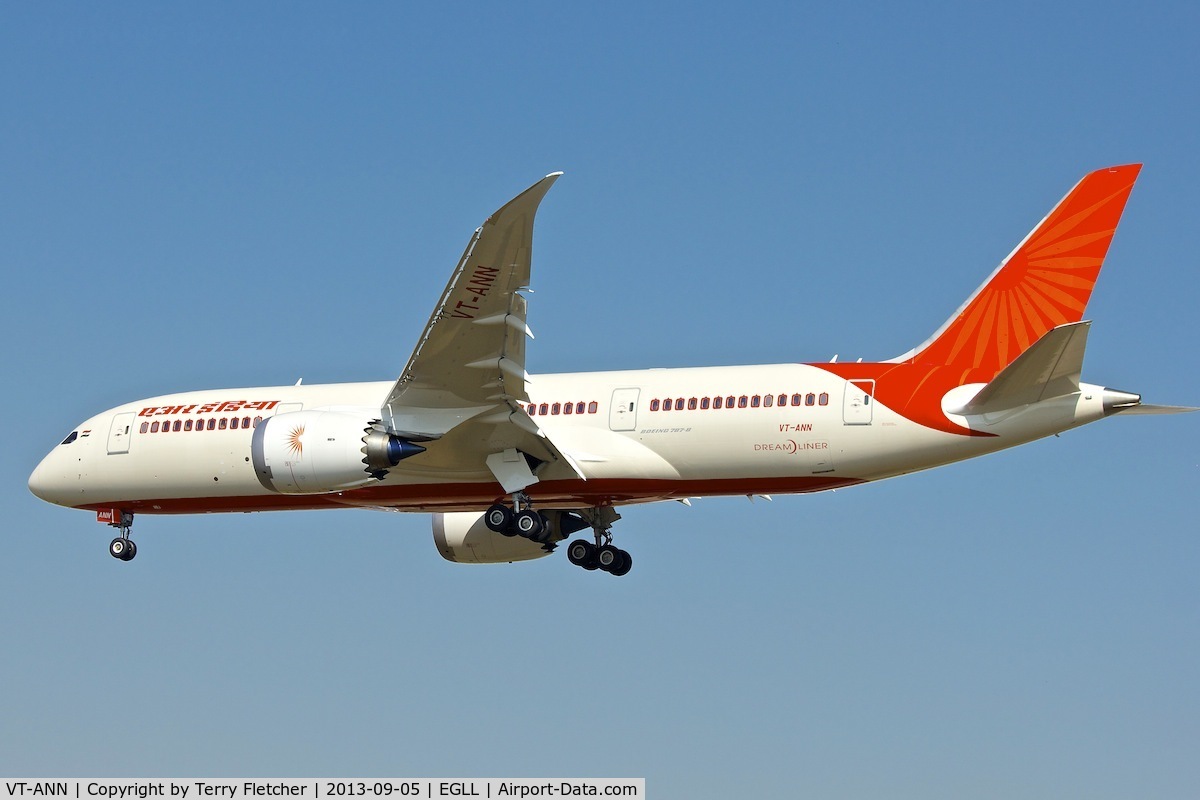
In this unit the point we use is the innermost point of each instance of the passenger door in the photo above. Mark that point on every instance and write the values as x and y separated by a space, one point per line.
120 432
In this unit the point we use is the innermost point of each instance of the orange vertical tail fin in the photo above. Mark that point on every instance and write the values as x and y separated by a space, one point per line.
1045 282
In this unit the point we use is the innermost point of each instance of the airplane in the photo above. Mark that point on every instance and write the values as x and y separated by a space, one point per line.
512 464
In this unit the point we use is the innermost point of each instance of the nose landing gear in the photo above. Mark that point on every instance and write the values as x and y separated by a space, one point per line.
122 547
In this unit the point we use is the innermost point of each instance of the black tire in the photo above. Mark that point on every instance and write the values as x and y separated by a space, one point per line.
529 524
608 558
500 519
117 548
622 568
581 552
130 550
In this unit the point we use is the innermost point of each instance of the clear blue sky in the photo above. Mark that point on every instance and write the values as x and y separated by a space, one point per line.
221 195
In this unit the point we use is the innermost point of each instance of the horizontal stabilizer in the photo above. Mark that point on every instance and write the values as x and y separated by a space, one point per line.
1049 368
1144 408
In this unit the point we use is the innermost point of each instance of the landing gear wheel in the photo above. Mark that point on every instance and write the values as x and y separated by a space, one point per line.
122 548
500 519
608 557
582 553
529 524
624 565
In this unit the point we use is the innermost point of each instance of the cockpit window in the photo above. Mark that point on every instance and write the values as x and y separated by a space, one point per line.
74 435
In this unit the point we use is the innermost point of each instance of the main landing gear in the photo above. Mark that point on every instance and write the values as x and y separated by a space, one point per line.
523 521
612 560
550 529
602 555
123 547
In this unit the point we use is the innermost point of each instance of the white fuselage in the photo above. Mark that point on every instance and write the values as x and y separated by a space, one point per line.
778 429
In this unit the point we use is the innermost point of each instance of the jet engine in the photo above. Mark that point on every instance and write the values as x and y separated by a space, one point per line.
315 452
464 538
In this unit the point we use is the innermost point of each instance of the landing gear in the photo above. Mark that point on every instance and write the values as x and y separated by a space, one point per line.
500 519
123 547
614 560
552 527
520 520
583 554
602 555
530 524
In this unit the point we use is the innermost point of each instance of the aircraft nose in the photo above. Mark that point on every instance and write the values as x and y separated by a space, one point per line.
37 483
44 484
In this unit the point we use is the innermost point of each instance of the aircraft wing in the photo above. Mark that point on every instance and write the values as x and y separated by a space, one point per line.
467 375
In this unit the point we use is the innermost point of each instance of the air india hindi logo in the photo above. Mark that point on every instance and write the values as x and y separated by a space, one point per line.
295 441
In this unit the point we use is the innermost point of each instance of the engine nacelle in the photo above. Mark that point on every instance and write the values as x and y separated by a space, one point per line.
463 537
316 452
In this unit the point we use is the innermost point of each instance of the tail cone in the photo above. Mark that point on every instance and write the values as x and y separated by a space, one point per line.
1115 401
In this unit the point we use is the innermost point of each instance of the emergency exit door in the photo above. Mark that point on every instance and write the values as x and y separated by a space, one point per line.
622 415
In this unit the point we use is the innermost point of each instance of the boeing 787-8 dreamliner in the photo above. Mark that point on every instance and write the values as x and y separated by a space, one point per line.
512 464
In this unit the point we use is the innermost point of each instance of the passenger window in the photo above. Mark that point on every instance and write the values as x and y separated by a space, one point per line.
755 401
823 399
257 420
245 422
729 401
769 401
668 404
176 425
579 408
742 401
717 402
145 427
568 408
544 409
556 408
704 402
593 407
795 399
233 423
154 427
692 403
810 399
654 405
212 424
199 424
782 400
187 425
223 424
